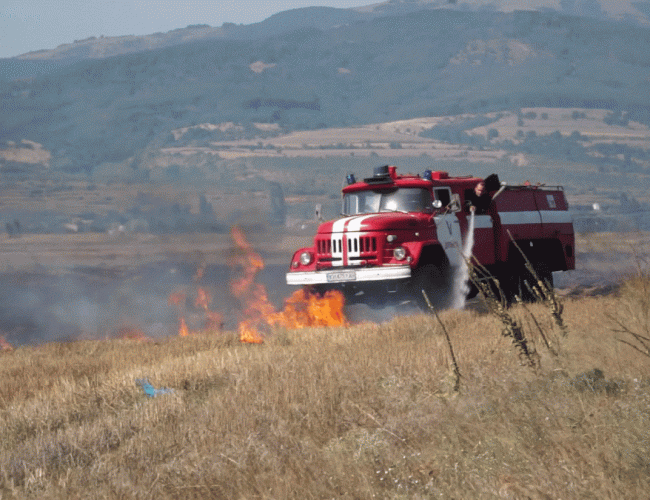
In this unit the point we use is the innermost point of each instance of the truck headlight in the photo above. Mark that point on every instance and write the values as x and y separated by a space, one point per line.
305 258
399 253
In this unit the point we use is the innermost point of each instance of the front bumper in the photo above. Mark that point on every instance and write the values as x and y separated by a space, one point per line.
349 275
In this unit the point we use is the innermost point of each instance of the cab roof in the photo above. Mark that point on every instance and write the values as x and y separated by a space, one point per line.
386 177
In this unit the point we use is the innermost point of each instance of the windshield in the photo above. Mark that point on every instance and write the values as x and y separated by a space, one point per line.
387 200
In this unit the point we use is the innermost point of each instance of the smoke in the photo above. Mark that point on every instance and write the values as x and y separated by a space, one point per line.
87 303
460 287
54 305
358 313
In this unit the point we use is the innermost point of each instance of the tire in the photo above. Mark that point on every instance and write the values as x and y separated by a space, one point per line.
545 275
520 282
473 291
435 282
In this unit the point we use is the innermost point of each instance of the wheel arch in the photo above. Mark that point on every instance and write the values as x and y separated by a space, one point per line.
546 253
433 254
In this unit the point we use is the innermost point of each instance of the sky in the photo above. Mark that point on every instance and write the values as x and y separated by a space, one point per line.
28 25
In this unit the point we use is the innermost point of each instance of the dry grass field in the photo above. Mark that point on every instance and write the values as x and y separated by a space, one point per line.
364 411
101 250
378 138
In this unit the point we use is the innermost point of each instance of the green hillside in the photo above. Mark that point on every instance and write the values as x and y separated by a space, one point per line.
428 63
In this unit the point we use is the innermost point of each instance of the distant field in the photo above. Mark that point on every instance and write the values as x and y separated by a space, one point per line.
378 138
311 165
599 254
65 251
589 122
588 178
87 285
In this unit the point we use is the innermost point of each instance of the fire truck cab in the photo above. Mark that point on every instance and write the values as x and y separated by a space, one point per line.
400 234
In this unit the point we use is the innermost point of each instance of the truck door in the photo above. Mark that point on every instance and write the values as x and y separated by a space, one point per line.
449 235
447 226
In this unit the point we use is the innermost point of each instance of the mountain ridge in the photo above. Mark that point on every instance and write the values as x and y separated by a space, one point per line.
427 63
635 13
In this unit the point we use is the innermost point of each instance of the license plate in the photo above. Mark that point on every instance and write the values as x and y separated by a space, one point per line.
341 276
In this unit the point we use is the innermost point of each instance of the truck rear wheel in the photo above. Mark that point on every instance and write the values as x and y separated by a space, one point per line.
520 282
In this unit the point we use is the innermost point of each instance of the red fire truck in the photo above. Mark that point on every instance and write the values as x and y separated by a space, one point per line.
403 233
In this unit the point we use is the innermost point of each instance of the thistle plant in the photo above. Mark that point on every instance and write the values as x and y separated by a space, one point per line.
544 292
490 288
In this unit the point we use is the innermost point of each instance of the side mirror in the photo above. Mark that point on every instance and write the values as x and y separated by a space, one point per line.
454 205
437 204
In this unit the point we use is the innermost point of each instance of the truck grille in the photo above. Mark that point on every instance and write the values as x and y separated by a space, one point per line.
358 248
325 246
362 244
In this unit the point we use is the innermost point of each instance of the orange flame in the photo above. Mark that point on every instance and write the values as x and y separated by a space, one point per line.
211 320
249 334
202 299
253 295
302 309
249 261
127 332
183 331
4 345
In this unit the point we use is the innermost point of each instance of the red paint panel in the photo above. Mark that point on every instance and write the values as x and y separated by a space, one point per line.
516 201
483 249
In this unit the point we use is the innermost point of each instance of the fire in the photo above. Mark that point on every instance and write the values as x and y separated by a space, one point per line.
252 295
212 319
202 299
4 345
183 331
302 309
249 334
127 332
250 262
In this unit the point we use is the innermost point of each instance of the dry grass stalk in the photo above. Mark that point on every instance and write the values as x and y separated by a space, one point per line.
642 342
456 370
544 292
494 298
548 345
633 318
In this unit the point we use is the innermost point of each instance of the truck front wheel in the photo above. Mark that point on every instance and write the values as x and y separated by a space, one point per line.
435 281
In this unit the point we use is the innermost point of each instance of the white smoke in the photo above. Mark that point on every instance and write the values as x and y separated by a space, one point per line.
460 287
